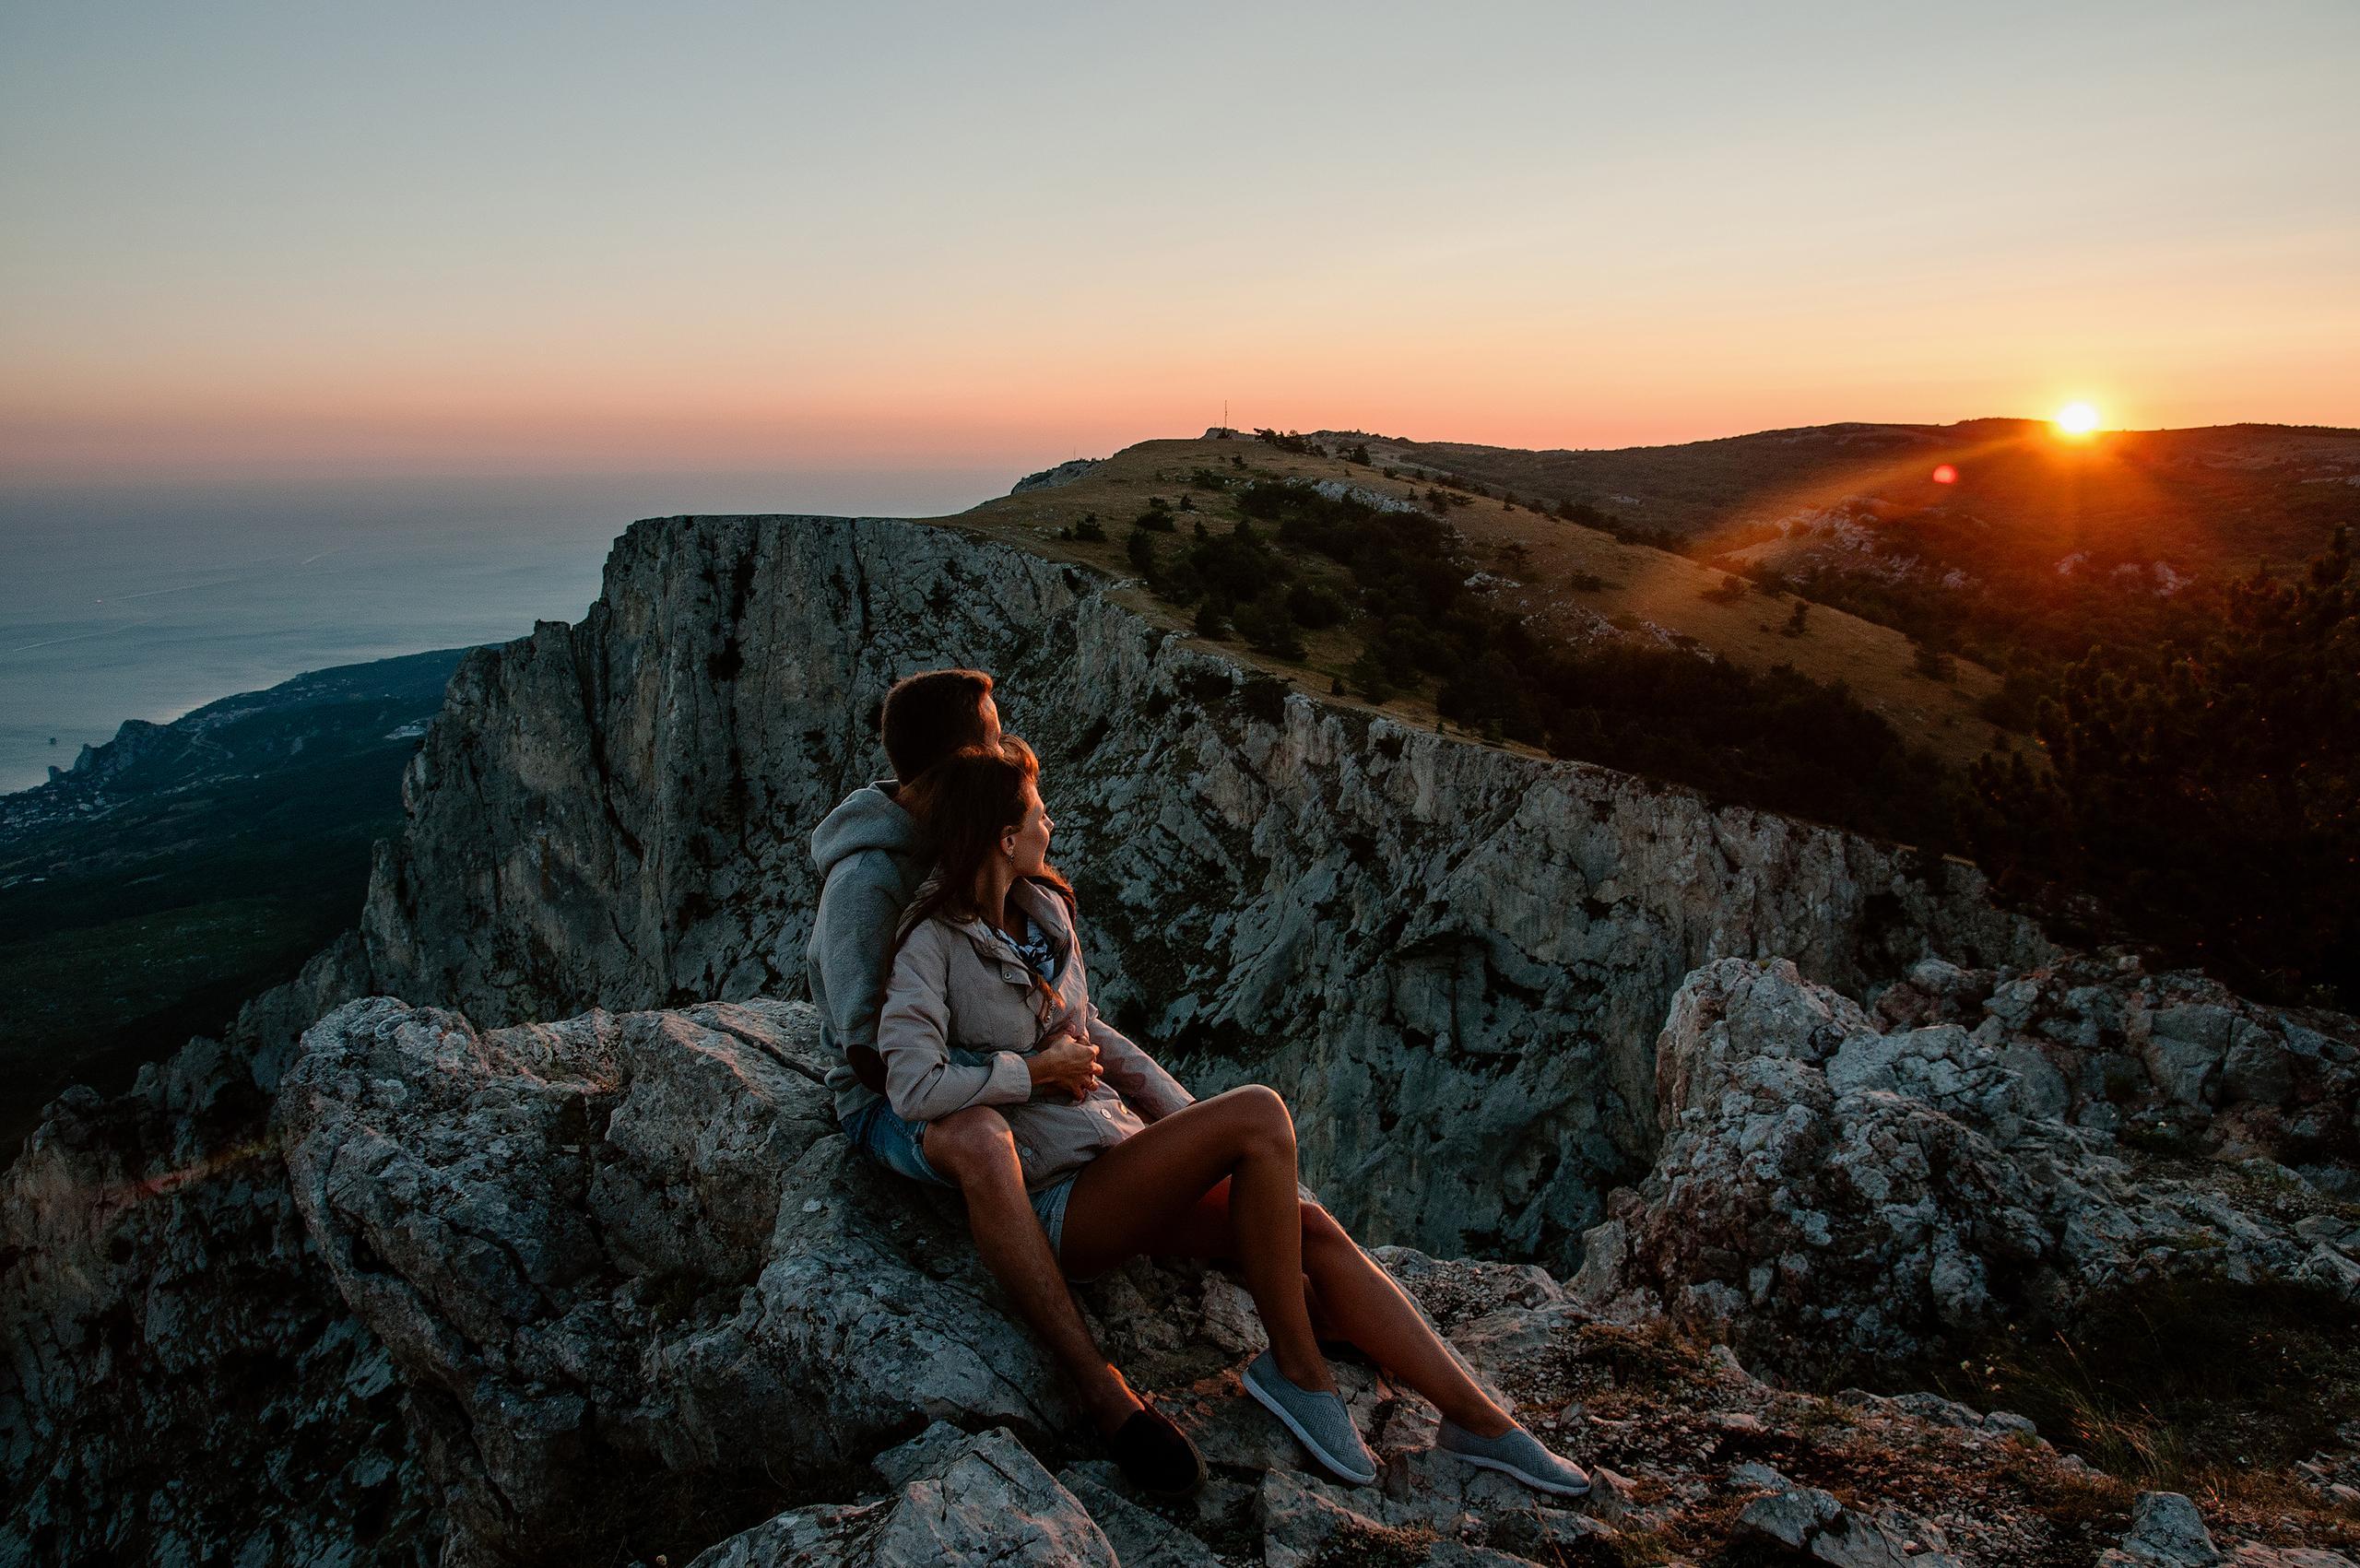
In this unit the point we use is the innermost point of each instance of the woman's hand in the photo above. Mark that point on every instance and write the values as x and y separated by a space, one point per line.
1069 1062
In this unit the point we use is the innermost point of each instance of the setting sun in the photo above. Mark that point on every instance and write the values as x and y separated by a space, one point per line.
2077 419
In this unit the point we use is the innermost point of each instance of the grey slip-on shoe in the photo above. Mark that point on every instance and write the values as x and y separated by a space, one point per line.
1520 1454
1319 1421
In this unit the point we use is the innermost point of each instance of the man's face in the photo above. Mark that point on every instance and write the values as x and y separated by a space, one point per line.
990 712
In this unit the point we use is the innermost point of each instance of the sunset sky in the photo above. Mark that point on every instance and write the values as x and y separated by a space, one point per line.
246 239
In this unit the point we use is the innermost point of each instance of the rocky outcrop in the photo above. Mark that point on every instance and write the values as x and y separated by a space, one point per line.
963 1502
630 1246
1838 1188
645 1300
1454 959
1050 478
183 1382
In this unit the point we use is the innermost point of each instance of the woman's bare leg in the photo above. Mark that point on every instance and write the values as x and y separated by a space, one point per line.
1357 1301
1141 1194
1365 1306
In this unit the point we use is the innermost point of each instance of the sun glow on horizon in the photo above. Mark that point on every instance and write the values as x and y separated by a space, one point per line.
2077 419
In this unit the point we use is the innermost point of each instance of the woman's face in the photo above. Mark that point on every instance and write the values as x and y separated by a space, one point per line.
1027 844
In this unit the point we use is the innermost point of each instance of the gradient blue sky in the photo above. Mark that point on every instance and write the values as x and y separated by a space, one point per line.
247 239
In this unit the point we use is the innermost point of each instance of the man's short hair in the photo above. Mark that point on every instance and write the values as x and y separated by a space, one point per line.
930 715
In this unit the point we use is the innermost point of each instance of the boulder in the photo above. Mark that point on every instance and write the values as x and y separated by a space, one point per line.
1834 1191
182 1382
1812 1526
619 1245
961 1501
2166 1532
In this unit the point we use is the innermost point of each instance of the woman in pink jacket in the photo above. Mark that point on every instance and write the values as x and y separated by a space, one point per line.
1120 1158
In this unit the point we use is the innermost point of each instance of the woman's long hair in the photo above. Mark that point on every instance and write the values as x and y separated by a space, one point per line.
964 803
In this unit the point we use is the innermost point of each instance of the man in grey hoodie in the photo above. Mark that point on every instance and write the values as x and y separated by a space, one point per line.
871 857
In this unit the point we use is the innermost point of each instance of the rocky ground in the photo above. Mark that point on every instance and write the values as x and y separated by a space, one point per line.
614 1289
640 1287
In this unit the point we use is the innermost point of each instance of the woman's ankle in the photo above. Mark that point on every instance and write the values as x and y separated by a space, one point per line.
1306 1370
1481 1420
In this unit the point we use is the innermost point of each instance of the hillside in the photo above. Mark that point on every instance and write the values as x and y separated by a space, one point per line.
2220 496
180 867
1530 562
2034 548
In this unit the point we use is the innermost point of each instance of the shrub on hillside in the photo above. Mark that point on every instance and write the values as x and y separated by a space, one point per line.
1776 739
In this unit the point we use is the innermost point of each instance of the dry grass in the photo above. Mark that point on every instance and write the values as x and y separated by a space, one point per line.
1638 585
2203 1387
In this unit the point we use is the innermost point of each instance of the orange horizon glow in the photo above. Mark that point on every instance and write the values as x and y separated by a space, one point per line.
574 436
332 241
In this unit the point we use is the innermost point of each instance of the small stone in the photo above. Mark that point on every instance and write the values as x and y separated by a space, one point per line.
1754 1473
1791 1518
2166 1531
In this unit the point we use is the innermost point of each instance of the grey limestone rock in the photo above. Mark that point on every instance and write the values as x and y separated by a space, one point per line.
1812 1526
644 1292
1831 1191
624 1245
962 1502
2167 1532
181 1381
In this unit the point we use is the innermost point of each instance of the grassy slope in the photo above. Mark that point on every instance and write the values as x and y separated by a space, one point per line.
2222 496
1666 589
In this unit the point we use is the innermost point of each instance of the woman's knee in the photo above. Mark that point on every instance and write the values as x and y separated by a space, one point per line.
1262 1114
1322 1232
969 1142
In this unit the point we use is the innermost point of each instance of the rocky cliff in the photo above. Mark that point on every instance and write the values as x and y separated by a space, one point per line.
1452 959
517 1231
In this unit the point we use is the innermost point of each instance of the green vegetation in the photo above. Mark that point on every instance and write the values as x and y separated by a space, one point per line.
2203 787
1297 563
220 865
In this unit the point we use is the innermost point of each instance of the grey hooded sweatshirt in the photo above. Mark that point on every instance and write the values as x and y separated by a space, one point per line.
871 858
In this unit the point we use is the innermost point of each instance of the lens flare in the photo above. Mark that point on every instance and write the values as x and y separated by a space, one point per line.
1945 475
2077 419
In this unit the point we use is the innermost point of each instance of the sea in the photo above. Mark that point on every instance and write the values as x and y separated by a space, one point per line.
122 602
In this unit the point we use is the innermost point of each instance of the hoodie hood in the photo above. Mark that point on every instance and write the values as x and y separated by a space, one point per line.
867 818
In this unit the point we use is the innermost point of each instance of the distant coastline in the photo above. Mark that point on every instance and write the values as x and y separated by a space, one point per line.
147 601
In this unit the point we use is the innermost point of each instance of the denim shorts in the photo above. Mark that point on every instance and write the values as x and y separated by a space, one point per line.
879 1132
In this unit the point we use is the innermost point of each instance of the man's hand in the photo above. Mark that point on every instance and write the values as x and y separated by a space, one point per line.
1069 1062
